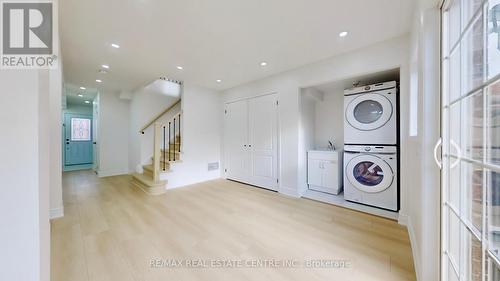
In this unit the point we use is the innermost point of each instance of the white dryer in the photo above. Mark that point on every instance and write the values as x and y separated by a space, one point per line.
371 176
371 114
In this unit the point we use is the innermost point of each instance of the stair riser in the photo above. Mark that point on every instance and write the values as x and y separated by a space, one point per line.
155 190
148 173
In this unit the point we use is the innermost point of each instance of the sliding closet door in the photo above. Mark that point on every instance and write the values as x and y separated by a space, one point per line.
236 141
263 145
471 140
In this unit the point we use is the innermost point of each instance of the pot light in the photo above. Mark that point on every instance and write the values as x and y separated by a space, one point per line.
116 46
180 67
105 66
103 71
80 95
87 101
98 80
218 80
82 88
343 34
263 63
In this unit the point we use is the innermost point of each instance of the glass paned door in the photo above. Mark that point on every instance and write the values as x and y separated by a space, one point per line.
471 140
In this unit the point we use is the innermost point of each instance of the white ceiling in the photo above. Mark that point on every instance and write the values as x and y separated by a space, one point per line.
71 93
218 39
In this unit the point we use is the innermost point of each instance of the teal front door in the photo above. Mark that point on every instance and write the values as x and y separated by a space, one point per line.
77 139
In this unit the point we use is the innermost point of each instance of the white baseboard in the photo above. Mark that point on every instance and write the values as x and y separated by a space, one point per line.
112 172
406 220
292 192
56 213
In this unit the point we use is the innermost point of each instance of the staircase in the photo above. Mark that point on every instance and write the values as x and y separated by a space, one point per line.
166 151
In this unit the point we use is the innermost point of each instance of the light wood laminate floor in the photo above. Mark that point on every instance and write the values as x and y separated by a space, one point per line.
112 230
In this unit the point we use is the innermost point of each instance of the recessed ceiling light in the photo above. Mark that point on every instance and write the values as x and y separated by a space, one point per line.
180 67
102 71
343 33
115 46
218 80
87 101
263 63
82 88
105 66
98 80
80 95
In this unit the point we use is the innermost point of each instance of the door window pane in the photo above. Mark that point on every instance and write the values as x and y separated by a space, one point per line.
454 23
493 41
80 129
454 238
454 183
454 82
493 185
455 128
473 126
469 8
472 263
472 191
473 56
493 124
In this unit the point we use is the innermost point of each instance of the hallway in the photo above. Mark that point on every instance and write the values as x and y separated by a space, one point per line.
112 231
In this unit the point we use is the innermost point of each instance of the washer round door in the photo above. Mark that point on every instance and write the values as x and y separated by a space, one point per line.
369 173
369 112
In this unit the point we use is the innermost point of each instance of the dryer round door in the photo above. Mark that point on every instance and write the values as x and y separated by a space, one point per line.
369 173
369 112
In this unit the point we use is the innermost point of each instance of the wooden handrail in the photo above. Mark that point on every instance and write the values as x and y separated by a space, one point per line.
153 120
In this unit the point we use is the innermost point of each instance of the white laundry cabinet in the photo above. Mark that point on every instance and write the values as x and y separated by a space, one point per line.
324 171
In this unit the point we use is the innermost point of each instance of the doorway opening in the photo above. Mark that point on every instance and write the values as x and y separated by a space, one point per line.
79 128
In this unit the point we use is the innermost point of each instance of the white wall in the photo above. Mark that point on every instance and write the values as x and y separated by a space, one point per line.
306 135
24 170
329 120
202 114
56 89
114 124
386 55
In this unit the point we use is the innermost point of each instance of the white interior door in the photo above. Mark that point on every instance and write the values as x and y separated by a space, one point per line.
471 140
236 141
263 146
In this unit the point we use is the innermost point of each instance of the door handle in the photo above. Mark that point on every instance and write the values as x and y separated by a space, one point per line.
436 147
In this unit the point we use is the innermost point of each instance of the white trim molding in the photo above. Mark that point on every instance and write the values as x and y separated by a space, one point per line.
289 191
112 172
406 221
56 213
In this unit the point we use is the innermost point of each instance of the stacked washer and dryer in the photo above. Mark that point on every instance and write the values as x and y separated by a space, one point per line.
371 145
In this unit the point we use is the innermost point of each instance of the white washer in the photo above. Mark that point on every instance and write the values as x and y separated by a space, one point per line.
371 176
371 114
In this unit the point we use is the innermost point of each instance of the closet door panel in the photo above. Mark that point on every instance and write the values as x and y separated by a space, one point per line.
263 143
236 140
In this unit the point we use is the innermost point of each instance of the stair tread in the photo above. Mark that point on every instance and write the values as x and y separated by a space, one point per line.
147 180
150 168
